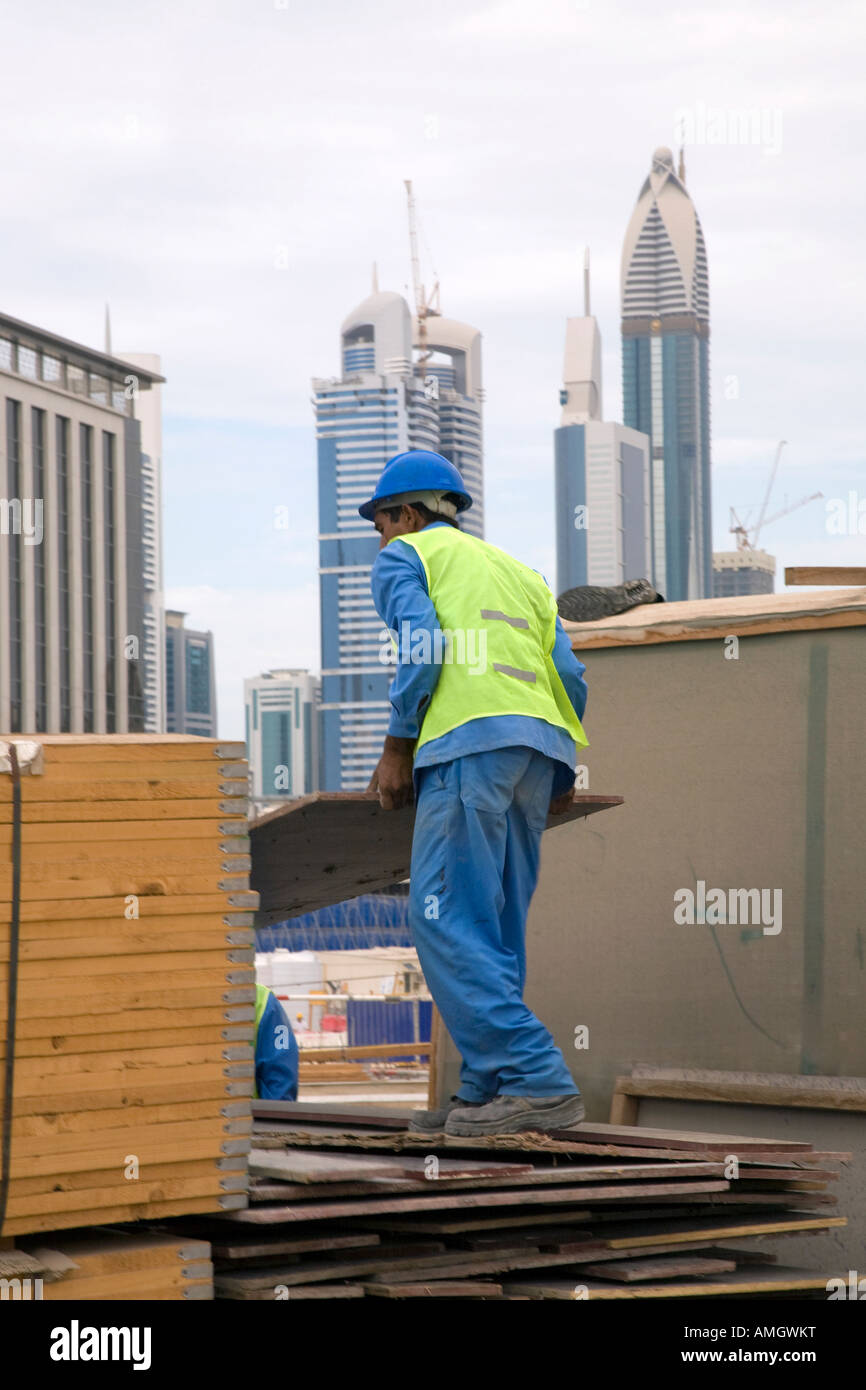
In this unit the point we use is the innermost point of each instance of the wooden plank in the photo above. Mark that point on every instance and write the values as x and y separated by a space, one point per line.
494 1173
138 1195
104 1252
105 1165
358 1116
302 1134
82 1044
213 1128
262 1247
661 1267
680 1139
170 1283
302 1166
439 1288
161 1091
119 945
743 1088
66 834
323 1291
332 846
152 1211
228 1111
713 1286
463 1199
176 1022
122 885
826 574
212 807
235 985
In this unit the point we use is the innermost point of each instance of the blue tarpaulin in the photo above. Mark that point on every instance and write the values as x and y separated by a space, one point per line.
376 919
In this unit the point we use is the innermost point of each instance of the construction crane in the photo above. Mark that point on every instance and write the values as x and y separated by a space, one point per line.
424 306
748 540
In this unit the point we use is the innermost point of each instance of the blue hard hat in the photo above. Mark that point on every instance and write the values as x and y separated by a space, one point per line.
420 470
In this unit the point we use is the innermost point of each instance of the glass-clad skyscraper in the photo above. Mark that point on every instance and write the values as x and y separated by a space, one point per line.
665 368
380 404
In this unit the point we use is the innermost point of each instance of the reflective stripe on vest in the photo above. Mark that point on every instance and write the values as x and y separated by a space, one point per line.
498 619
262 996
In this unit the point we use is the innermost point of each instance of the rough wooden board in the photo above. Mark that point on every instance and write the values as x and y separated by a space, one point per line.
331 846
661 1267
499 1175
826 574
462 1199
84 1044
743 1088
151 1211
262 1191
105 1252
743 1282
680 1139
121 1117
347 1266
132 1283
300 1165
438 1288
213 807
699 619
619 1234
322 1137
710 1227
259 1247
323 1291
360 1117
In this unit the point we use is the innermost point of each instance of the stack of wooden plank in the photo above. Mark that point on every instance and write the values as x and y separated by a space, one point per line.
349 1206
107 1264
133 1067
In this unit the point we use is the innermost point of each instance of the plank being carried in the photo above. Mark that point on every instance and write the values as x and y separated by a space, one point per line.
331 846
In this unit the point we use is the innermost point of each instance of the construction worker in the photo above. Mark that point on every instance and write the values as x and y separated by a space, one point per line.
486 704
276 1050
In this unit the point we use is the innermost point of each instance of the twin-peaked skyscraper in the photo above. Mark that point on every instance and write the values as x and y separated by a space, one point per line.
389 397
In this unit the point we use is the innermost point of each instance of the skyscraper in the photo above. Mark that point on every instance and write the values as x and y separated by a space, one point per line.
383 402
665 372
190 679
281 710
601 473
148 411
73 654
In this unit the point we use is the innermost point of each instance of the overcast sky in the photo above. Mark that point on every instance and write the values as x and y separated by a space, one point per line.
225 173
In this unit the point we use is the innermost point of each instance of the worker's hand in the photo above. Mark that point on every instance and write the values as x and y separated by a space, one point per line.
560 804
393 775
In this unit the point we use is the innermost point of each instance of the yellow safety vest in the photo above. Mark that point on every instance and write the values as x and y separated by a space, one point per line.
498 619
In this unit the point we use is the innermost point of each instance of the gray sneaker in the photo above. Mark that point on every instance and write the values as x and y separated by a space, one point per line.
516 1114
433 1121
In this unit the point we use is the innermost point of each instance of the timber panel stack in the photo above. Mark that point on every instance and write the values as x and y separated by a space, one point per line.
136 981
353 1206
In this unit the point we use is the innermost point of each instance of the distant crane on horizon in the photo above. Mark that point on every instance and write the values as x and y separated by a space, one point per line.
748 539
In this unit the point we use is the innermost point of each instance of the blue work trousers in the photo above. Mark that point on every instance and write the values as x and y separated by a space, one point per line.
475 858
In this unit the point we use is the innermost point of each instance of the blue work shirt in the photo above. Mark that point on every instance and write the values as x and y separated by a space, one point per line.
276 1065
400 593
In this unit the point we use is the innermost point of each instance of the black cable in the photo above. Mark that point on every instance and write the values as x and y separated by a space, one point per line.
12 983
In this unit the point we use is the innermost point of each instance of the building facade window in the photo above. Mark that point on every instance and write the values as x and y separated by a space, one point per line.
37 435
197 678
13 495
61 446
87 571
108 531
